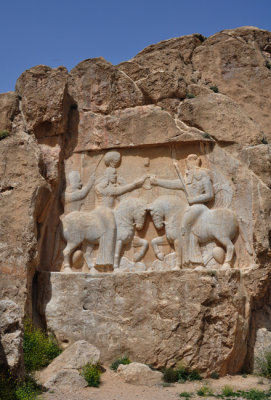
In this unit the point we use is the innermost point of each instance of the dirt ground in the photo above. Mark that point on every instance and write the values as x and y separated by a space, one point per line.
112 388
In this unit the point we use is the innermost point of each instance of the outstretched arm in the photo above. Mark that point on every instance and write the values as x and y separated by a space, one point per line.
80 194
167 183
119 190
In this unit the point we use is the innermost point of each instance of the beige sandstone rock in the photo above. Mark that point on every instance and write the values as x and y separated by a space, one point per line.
11 351
8 109
44 101
155 318
262 347
66 378
67 364
234 61
208 316
161 85
98 86
139 374
222 118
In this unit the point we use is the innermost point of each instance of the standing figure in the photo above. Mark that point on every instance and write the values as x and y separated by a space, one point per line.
76 191
198 188
107 189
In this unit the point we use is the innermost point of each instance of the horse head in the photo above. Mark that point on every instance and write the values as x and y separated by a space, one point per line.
140 212
157 213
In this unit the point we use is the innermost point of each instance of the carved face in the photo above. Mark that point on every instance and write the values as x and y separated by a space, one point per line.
111 174
140 217
75 180
157 218
192 161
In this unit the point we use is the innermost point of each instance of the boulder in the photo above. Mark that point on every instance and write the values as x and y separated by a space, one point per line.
97 86
73 358
262 347
139 374
66 378
11 338
8 109
221 117
44 100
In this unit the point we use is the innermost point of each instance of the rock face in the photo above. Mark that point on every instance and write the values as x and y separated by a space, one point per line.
167 153
155 318
11 354
139 374
262 347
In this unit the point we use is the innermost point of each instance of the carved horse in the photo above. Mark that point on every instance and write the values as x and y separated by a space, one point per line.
219 225
94 227
110 229
130 215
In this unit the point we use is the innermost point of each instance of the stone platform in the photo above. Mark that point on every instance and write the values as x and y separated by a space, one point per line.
156 318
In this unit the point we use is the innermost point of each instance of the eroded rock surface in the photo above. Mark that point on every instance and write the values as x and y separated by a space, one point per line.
66 366
207 97
139 374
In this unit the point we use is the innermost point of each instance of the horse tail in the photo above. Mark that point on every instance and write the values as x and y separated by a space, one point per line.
107 240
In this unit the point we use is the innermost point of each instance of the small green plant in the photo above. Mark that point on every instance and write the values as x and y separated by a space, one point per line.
194 376
14 389
200 37
254 394
214 89
124 360
213 274
205 391
92 374
190 96
29 390
3 134
268 65
170 375
214 374
228 391
166 384
39 349
207 135
263 365
181 374
186 395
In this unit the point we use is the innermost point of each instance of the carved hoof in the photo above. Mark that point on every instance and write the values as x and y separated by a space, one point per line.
160 256
226 266
67 269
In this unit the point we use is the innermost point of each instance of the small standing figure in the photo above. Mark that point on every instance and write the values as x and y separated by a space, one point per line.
76 191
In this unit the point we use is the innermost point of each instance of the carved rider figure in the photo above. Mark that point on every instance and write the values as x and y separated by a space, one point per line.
198 188
110 186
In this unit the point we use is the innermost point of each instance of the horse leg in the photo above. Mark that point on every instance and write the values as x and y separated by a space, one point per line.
155 243
227 243
117 253
144 247
87 256
178 249
67 253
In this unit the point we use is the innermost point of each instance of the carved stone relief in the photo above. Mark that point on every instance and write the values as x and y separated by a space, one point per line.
156 208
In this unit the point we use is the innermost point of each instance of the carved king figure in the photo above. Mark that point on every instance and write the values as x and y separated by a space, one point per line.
198 188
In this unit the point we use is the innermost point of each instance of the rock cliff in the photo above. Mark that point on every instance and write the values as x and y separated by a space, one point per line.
208 96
